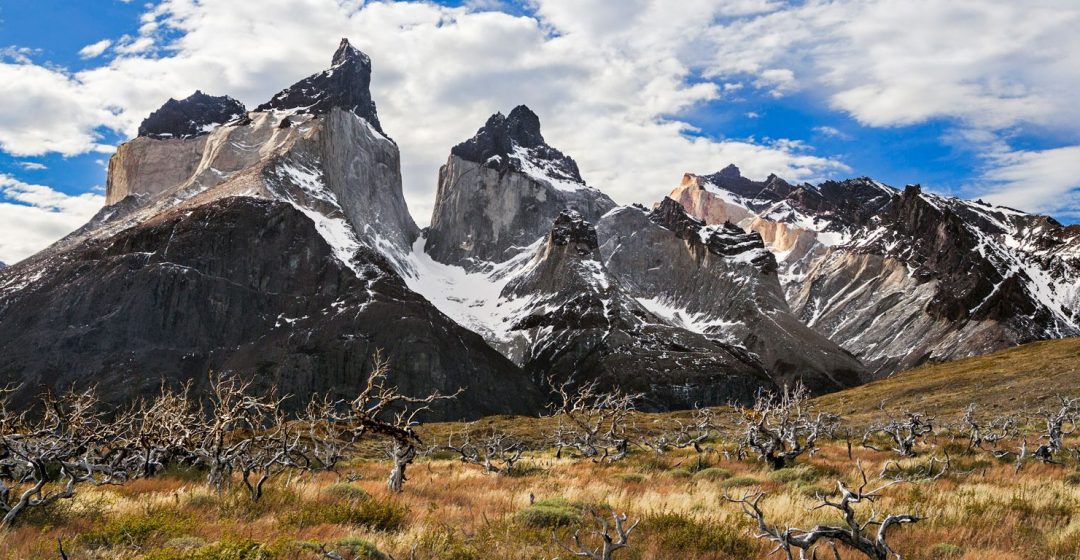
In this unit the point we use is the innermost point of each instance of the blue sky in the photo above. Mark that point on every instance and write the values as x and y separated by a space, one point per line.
974 100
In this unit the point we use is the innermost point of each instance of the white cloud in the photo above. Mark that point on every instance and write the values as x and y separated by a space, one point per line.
1039 181
33 166
94 50
609 79
832 132
33 216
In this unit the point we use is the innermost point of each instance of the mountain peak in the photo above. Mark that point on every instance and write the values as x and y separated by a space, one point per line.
192 116
500 144
347 53
346 85
729 172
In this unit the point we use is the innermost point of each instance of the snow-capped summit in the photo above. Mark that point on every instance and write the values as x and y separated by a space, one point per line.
346 85
514 142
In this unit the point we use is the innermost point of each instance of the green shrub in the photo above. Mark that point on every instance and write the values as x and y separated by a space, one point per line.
185 543
945 550
377 515
679 474
631 478
739 482
653 463
360 549
347 491
138 529
801 473
224 550
555 512
699 464
681 536
712 474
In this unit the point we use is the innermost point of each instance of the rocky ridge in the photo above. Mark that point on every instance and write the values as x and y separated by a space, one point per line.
901 277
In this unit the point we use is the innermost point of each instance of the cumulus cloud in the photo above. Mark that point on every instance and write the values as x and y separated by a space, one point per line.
94 50
33 216
610 80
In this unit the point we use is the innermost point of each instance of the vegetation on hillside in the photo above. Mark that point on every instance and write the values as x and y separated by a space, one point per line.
967 475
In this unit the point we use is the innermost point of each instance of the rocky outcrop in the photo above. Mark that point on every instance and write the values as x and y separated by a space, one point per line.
328 154
580 323
904 277
242 285
345 85
719 281
500 191
193 116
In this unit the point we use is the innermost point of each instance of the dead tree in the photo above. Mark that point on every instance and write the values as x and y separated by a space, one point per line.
982 432
270 452
779 429
613 536
932 469
380 411
44 458
683 434
497 452
1055 419
855 534
401 453
234 423
593 422
160 431
904 433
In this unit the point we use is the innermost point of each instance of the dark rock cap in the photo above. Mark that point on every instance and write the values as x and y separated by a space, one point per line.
494 143
190 117
346 85
570 228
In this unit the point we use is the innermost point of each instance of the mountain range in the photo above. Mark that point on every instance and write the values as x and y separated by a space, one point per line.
276 244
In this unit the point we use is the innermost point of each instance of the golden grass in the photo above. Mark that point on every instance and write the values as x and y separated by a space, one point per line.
456 512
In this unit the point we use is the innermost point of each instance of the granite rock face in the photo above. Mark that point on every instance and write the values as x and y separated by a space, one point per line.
190 117
902 277
500 191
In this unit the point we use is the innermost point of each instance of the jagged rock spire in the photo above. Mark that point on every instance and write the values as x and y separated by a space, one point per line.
346 84
190 117
496 145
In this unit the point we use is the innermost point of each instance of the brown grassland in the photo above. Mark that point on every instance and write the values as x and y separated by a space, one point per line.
981 509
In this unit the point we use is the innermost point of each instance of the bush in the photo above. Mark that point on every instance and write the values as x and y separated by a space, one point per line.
631 478
801 473
138 529
679 474
681 536
224 550
360 549
1072 478
347 491
556 512
739 482
376 515
712 474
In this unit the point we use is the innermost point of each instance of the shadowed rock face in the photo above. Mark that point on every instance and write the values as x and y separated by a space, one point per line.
721 282
190 117
347 84
247 286
584 326
500 191
903 277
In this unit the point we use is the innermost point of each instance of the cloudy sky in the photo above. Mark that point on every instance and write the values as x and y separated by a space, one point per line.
974 98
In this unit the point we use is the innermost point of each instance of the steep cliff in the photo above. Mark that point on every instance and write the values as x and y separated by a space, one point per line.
903 277
500 191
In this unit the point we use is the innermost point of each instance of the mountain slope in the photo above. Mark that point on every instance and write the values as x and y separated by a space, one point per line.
903 277
1016 380
270 246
